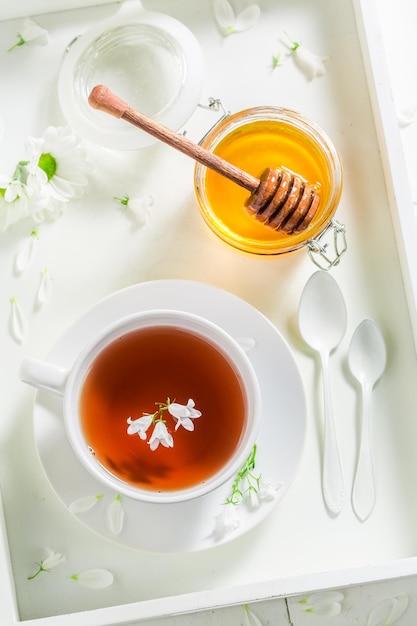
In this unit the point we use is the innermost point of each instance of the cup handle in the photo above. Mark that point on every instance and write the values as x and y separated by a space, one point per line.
43 375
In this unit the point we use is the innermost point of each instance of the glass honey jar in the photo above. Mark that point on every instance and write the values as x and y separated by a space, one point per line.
254 140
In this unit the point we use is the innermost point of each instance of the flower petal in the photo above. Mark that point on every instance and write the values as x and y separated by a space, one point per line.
224 14
26 253
18 324
33 33
249 618
228 520
247 18
186 423
116 515
267 489
95 578
399 608
139 426
407 114
53 559
45 288
84 504
327 610
311 64
379 614
161 435
323 597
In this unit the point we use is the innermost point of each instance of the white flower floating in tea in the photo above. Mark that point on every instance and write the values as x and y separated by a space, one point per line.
53 559
182 413
160 435
248 488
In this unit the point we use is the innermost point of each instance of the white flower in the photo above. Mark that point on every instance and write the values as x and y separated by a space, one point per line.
229 22
326 603
228 520
388 611
311 64
160 435
14 202
184 414
57 162
138 208
13 188
139 426
31 33
41 204
267 489
94 578
84 504
53 559
116 515
18 323
249 618
43 185
253 497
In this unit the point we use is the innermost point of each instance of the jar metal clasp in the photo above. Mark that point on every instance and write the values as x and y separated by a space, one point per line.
216 105
318 247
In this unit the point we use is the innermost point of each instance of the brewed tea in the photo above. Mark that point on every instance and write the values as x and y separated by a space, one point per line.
148 366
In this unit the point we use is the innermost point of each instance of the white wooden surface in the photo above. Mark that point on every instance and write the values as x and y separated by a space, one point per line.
33 516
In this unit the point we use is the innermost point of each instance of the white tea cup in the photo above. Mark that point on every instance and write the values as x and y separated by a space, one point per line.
162 406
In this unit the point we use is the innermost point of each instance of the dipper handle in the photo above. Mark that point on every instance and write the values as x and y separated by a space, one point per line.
103 99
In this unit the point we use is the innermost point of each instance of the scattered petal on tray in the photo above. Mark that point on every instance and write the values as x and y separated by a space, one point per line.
95 578
229 22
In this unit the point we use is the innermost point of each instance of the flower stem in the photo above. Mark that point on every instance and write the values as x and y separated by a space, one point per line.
41 569
123 201
244 472
20 42
19 171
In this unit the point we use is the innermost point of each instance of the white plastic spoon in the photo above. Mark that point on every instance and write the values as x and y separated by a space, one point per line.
367 359
322 320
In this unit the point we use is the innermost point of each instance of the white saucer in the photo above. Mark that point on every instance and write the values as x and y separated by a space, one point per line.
192 525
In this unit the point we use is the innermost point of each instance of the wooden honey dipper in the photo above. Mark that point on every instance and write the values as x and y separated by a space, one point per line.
280 199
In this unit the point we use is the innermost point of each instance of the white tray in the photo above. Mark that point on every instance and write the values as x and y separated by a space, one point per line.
92 251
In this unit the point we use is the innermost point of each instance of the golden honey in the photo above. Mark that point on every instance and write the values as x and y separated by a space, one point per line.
254 140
